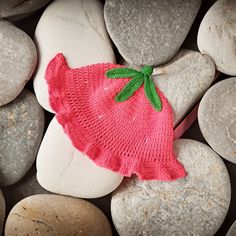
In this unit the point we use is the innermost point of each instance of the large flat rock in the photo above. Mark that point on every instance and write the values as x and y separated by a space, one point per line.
75 28
149 31
195 205
217 118
62 169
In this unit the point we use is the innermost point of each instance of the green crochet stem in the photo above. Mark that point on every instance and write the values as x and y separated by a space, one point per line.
138 78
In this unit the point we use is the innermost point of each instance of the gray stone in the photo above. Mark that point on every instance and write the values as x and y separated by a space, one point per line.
2 212
195 205
26 187
217 37
149 31
21 130
17 62
18 9
55 215
232 230
184 80
217 118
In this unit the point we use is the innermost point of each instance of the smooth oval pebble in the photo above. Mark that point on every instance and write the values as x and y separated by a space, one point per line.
55 215
75 28
64 170
2 211
149 32
184 80
217 35
17 62
21 130
217 118
19 9
195 205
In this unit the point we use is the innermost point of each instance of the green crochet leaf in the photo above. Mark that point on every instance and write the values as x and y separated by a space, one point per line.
117 73
138 78
130 88
153 97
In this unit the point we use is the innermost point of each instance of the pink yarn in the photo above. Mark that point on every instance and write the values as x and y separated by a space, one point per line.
128 137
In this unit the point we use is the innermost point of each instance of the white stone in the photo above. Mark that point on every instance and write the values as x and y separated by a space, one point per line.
75 28
217 35
184 80
195 205
217 118
64 170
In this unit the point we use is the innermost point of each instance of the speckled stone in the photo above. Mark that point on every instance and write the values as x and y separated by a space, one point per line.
195 205
63 169
17 62
232 230
217 118
18 9
184 80
149 31
21 129
75 28
217 37
55 215
2 212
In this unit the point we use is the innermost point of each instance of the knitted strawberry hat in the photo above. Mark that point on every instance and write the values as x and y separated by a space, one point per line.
116 116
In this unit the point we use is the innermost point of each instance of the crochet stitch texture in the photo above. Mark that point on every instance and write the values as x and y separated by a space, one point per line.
128 137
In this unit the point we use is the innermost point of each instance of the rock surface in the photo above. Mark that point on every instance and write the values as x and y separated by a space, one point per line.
75 28
18 9
56 215
26 187
149 31
195 205
2 212
232 230
184 80
64 170
21 130
217 118
217 37
17 62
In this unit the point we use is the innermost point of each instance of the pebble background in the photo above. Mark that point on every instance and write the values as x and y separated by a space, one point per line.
15 193
195 205
211 116
146 40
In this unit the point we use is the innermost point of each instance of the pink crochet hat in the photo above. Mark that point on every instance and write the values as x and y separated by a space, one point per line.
127 133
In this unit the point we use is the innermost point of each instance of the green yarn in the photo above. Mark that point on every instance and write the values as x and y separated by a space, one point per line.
121 73
150 91
147 70
129 89
138 78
